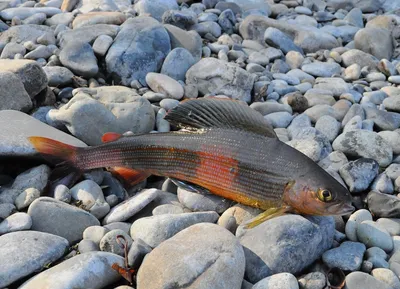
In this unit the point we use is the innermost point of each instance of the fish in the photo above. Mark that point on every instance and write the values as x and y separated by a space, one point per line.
222 147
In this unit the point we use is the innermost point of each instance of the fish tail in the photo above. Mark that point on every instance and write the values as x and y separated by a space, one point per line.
67 169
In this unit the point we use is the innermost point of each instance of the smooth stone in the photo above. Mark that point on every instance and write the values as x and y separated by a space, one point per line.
102 44
155 8
319 96
95 233
6 209
86 34
87 270
62 193
98 17
318 111
94 111
109 242
25 33
13 95
278 281
279 119
85 246
56 217
391 225
348 256
383 205
393 171
34 250
189 40
355 219
11 49
161 83
352 72
322 69
313 280
25 12
336 85
15 222
384 120
137 253
91 197
382 184
372 235
80 59
387 276
186 257
26 198
29 71
227 79
356 280
156 229
130 207
35 177
329 126
177 63
276 38
375 41
58 75
198 202
359 174
334 160
145 44
363 143
266 256
356 56
310 147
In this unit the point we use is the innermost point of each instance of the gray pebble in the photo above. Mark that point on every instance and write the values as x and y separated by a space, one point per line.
109 242
348 256
15 222
87 246
62 193
373 235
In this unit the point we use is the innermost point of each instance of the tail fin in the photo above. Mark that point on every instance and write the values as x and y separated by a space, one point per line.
66 171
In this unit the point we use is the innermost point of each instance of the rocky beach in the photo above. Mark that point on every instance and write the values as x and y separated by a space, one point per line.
325 74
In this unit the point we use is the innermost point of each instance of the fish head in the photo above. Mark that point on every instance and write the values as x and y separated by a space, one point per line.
315 196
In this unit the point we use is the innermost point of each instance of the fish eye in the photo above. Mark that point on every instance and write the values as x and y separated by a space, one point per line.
325 195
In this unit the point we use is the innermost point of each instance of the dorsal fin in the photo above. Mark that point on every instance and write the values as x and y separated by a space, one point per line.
219 113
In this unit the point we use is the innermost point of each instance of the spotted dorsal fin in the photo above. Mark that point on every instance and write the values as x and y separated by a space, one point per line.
219 113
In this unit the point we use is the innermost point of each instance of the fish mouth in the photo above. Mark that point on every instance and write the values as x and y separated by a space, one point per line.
342 209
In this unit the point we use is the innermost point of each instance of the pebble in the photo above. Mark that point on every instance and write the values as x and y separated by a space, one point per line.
383 205
156 229
357 280
198 202
62 193
382 184
321 69
278 281
366 144
85 246
264 256
177 63
6 209
359 174
355 219
95 233
26 198
58 218
387 276
102 44
109 242
164 84
373 235
329 126
348 256
276 38
80 59
390 224
172 257
15 222
78 272
34 250
313 280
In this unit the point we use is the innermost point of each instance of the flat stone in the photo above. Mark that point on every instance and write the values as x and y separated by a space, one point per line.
92 269
58 218
130 207
372 235
156 229
80 59
103 17
322 69
336 85
348 256
86 34
34 250
18 126
356 280
139 48
363 143
58 75
359 57
25 12
15 222
164 84
186 257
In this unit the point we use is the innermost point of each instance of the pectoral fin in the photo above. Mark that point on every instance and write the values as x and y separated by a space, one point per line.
268 214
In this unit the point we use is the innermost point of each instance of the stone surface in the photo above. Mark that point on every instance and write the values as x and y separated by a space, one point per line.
55 217
191 257
92 269
156 229
348 256
34 250
266 256
139 48
214 76
357 280
278 281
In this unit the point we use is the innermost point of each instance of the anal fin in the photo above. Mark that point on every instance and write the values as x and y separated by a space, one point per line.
131 176
190 187
267 215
